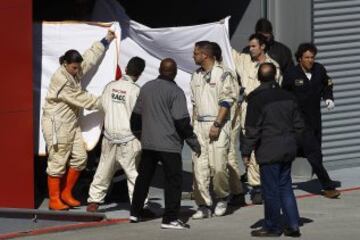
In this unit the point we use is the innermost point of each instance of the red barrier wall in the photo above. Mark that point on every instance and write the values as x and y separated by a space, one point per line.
16 105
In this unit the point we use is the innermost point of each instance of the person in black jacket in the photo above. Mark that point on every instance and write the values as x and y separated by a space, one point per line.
272 126
276 50
309 82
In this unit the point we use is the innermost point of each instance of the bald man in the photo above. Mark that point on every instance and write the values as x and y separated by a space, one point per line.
162 120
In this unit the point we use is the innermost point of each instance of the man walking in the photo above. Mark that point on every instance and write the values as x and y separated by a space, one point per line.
161 120
309 82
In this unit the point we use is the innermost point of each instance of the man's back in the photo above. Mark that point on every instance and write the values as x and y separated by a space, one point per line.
277 106
118 101
160 103
273 117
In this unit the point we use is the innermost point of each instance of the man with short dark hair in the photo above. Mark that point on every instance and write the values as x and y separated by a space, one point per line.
309 82
247 66
276 50
162 122
213 94
120 148
272 122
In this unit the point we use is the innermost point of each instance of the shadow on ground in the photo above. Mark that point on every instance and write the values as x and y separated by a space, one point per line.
118 192
260 222
313 186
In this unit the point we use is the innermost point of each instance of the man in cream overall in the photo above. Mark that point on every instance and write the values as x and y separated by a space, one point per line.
120 148
213 93
246 66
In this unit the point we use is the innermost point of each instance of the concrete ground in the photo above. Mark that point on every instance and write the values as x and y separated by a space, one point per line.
322 218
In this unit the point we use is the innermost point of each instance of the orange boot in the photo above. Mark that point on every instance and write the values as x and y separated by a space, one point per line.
69 183
55 202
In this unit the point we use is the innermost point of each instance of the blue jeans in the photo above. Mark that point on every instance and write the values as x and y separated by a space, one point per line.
278 195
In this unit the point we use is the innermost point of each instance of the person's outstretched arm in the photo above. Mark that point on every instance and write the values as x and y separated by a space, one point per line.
95 52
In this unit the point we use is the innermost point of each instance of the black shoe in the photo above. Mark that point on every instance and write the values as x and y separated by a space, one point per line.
292 232
237 200
147 213
265 233
176 224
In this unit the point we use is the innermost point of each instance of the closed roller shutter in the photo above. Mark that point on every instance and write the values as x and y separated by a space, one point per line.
336 33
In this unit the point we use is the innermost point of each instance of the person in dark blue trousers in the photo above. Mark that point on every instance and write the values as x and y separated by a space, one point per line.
273 126
276 183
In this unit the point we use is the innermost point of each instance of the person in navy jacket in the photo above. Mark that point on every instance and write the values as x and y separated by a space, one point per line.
309 82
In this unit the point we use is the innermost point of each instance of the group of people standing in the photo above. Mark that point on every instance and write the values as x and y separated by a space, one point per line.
271 104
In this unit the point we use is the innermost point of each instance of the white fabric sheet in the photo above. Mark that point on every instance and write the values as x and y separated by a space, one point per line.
154 44
136 40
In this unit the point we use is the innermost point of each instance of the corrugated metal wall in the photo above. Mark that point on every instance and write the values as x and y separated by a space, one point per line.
336 32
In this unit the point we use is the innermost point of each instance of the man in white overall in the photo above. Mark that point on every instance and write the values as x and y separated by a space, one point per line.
235 184
247 66
213 93
120 148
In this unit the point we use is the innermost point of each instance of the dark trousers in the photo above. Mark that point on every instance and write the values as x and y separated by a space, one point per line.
172 165
312 151
278 195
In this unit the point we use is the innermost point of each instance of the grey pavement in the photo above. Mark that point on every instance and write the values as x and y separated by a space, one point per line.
322 218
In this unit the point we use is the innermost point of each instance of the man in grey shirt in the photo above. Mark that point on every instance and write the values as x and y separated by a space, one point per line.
161 121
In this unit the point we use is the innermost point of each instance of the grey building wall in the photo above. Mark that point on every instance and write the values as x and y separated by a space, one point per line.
246 26
336 32
292 21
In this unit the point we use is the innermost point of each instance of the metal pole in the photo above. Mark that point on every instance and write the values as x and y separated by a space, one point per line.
264 9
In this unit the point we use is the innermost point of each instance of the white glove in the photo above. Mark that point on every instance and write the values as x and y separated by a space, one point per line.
329 104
